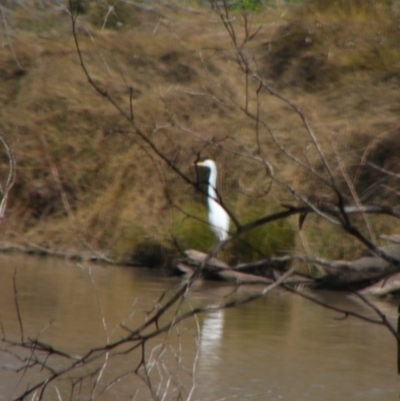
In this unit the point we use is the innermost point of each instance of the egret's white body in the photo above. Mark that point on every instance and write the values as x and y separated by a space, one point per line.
217 216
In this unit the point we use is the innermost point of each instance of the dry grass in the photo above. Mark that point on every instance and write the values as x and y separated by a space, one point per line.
339 66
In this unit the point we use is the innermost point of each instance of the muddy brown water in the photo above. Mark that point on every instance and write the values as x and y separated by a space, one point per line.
281 347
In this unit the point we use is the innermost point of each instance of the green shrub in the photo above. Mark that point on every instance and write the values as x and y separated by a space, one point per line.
269 239
190 229
247 5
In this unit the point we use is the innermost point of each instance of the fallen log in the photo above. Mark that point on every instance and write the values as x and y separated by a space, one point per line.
385 286
359 273
216 269
371 274
228 275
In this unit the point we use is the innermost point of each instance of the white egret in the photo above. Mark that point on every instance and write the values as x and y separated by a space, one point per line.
217 216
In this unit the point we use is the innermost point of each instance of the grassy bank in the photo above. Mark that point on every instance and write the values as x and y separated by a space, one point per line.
176 69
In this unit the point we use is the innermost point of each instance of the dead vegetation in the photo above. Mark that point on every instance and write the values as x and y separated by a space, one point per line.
174 70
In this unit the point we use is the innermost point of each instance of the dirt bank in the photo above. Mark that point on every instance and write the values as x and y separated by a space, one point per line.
173 70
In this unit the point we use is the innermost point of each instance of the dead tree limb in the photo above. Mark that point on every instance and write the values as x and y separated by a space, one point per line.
10 178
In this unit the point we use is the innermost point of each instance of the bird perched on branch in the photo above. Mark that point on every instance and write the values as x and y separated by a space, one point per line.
217 216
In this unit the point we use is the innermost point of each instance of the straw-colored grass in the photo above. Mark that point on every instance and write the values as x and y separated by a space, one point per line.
339 65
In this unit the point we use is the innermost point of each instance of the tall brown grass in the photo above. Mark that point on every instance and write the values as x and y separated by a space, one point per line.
187 94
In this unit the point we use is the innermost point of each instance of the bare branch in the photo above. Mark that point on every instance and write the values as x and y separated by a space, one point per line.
10 178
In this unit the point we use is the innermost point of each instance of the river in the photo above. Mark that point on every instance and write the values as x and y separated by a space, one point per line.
280 347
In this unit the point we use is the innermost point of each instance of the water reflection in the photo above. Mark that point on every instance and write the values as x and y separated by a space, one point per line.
211 332
279 347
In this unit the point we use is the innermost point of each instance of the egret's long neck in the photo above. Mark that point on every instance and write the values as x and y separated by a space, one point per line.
212 181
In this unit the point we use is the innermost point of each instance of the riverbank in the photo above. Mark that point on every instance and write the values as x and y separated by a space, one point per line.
86 181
